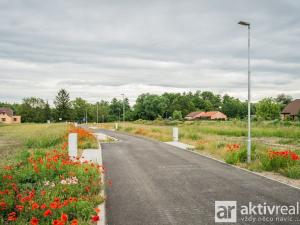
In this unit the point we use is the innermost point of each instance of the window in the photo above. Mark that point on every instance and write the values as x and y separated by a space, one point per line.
3 119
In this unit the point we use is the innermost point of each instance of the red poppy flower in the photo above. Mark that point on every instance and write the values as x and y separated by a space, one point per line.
74 222
34 221
53 205
64 217
95 218
19 207
34 206
43 206
48 212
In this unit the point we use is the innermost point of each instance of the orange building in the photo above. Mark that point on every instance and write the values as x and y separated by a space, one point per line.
7 116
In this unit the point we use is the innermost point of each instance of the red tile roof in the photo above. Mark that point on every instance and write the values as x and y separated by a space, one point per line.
292 108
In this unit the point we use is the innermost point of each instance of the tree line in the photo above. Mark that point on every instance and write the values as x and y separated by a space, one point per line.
147 107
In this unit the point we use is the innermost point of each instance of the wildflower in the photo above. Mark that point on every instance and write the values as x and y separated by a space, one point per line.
95 218
34 206
64 217
97 210
43 206
53 205
48 212
74 222
12 216
19 207
34 221
63 182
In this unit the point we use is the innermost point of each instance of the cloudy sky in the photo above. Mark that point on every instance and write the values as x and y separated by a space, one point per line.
99 49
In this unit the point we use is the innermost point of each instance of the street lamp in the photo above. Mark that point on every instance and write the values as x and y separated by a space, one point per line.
123 107
243 23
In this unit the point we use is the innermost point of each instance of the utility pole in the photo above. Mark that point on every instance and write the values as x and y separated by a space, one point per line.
249 94
123 107
86 119
97 113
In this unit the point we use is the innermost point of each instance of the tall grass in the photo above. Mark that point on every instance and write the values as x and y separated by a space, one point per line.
15 138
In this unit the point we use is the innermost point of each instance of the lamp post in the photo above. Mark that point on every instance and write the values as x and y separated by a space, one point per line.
123 107
97 113
243 23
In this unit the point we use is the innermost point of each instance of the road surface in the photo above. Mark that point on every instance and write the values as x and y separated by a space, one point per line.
151 183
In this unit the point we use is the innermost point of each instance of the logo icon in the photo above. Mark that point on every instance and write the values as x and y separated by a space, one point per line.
225 211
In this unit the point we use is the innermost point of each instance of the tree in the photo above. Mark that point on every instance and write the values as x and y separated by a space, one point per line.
177 115
268 109
79 108
47 112
283 100
232 107
63 105
32 110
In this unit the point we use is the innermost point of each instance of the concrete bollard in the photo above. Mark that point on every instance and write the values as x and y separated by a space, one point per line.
72 145
116 126
175 133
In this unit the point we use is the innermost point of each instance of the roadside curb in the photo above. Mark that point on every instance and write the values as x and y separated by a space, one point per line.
102 206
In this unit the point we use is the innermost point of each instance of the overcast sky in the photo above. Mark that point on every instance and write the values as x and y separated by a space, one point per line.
100 49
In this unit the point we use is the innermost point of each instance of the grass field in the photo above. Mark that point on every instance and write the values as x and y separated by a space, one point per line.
219 139
15 138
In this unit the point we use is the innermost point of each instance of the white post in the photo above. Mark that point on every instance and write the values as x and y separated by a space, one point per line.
75 124
72 145
175 133
116 126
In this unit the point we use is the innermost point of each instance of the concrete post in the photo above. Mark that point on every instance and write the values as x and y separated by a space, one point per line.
72 145
175 133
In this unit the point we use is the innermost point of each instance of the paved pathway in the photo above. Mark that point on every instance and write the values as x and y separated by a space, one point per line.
157 184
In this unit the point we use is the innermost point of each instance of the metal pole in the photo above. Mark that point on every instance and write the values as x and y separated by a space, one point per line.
97 113
86 116
249 101
123 108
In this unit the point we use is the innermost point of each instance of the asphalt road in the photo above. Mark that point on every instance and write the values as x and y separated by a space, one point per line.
151 183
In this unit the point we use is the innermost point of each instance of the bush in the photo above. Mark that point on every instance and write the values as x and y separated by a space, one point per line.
177 115
232 158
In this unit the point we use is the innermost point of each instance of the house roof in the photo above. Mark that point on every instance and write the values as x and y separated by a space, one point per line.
7 111
193 114
292 108
208 114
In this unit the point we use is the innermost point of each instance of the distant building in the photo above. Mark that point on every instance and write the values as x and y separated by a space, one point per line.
291 110
7 116
211 115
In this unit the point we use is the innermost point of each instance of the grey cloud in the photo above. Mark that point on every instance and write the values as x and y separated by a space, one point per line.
136 45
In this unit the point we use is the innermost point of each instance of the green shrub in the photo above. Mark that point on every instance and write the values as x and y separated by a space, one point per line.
232 158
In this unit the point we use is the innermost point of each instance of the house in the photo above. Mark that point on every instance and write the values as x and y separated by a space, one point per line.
7 116
211 115
291 110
